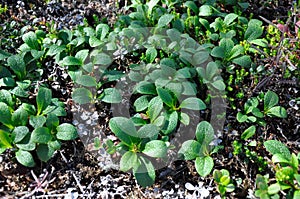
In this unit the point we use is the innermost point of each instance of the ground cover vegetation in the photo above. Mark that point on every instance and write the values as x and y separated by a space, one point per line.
207 86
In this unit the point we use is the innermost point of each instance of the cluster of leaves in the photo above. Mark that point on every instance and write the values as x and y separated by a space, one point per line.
31 128
286 169
252 113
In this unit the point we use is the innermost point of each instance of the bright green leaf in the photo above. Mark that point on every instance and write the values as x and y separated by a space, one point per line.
204 165
248 133
82 95
41 135
193 103
274 147
25 158
128 161
66 131
43 99
189 150
156 149
165 20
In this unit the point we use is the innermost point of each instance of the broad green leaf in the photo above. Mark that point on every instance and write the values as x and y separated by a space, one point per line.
244 61
257 113
86 80
165 20
148 131
189 88
37 121
145 173
155 149
151 4
5 116
230 18
227 45
280 158
193 103
218 51
29 108
184 118
204 133
270 100
43 99
250 104
5 140
55 109
102 59
154 108
41 135
25 158
204 165
296 194
128 160
254 30
174 35
165 96
26 143
200 57
17 64
124 129
159 121
7 82
5 96
294 161
171 123
19 133
89 31
94 42
277 111
251 119
236 51
191 5
3 56
219 84
248 133
205 10
55 145
20 92
189 150
66 131
101 31
20 117
71 61
111 95
141 103
146 88
82 55
44 152
55 49
276 147
31 40
211 70
274 189
82 95
151 54
260 42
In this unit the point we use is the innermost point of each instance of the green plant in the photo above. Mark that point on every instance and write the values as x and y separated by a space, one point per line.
3 9
223 181
29 128
200 149
286 173
270 109
136 146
